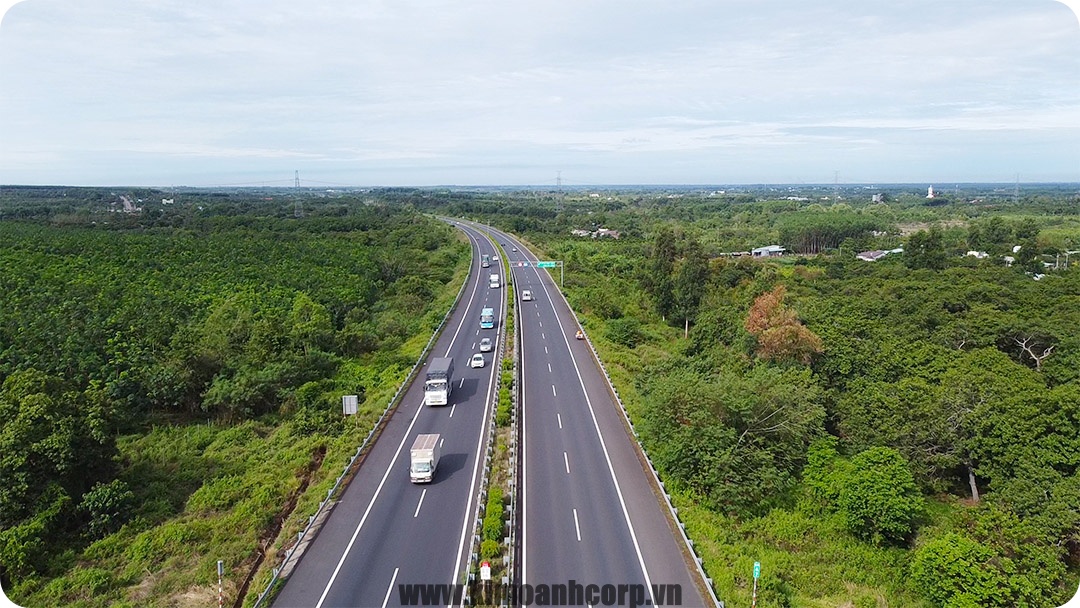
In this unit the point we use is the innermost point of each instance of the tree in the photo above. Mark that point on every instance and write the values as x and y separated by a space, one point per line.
779 334
925 249
658 281
691 276
48 435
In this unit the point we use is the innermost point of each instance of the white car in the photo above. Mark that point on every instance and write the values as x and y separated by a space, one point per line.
485 345
526 296
477 360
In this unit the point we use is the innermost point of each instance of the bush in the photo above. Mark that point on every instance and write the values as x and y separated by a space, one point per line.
879 498
490 549
625 331
109 506
950 571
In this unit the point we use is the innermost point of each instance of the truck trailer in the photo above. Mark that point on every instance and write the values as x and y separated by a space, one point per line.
424 458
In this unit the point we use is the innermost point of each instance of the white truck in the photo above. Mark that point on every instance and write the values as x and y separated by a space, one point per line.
424 458
439 381
493 281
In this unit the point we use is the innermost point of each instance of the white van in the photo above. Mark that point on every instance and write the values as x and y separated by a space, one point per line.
493 281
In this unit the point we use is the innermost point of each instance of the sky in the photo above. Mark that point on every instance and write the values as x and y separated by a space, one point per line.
209 93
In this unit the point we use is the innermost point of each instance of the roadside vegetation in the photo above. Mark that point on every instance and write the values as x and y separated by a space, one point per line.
904 432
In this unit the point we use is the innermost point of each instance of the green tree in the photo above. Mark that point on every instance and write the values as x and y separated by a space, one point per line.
658 280
691 276
925 249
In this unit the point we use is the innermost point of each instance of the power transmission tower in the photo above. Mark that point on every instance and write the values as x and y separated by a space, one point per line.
298 209
559 196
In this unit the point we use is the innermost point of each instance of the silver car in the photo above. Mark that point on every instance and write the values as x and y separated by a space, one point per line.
485 345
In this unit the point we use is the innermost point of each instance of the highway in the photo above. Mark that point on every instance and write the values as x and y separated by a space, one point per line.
588 511
385 530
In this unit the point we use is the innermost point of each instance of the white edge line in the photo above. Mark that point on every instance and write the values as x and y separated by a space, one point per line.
603 446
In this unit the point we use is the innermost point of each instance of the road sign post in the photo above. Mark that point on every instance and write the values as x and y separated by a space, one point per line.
553 264
757 573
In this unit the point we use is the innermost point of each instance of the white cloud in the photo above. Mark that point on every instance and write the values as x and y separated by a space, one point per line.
602 87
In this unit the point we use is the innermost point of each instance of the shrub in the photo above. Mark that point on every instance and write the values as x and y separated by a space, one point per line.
109 506
489 549
879 498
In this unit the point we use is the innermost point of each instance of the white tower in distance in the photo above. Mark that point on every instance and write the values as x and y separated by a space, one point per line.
930 192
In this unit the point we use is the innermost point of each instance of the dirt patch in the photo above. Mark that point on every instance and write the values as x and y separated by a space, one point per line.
909 229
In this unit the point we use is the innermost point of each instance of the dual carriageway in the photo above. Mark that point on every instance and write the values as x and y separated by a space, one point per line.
587 509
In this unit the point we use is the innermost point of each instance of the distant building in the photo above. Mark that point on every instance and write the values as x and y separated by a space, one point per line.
598 233
769 251
877 254
930 192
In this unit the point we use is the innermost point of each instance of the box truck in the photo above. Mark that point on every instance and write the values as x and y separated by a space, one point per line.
439 381
424 458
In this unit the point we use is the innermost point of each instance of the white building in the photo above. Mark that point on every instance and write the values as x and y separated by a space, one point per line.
768 251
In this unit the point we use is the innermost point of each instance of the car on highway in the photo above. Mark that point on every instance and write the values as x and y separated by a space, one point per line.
477 360
513 249
526 296
485 345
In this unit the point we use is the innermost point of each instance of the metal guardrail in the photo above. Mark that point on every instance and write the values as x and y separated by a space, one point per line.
656 476
509 542
371 436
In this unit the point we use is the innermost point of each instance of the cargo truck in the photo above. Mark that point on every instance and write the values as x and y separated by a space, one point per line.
493 281
424 458
439 381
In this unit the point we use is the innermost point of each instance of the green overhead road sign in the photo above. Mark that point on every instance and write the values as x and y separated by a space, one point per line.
546 264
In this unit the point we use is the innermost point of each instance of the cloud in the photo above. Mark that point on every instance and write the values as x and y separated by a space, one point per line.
600 83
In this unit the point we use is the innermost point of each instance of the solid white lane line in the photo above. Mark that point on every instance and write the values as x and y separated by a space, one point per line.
390 589
566 461
577 527
559 416
422 495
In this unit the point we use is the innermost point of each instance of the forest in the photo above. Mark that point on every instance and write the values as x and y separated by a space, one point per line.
902 432
160 369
